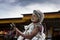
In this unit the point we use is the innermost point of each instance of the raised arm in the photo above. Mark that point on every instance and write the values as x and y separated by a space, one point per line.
29 36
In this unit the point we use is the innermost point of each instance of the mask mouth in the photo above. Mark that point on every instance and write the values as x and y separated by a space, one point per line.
33 20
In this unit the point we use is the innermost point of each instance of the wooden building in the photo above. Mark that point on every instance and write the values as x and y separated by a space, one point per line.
51 23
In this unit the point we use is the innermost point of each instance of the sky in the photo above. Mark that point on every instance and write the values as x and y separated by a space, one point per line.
14 8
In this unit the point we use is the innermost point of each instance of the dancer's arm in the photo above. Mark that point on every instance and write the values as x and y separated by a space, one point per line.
29 36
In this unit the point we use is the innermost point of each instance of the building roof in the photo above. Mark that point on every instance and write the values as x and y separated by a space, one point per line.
27 17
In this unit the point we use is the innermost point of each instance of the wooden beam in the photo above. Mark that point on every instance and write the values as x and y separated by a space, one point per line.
52 15
28 17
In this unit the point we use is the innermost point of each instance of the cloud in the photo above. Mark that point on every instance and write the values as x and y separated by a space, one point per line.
45 7
27 2
7 11
14 8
